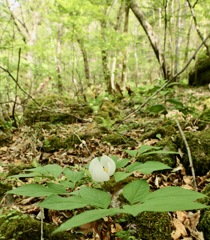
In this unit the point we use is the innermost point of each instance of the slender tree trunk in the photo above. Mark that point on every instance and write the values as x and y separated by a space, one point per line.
153 38
104 58
58 59
197 27
125 53
178 39
85 59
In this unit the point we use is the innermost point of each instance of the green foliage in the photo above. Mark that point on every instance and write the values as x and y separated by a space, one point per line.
136 193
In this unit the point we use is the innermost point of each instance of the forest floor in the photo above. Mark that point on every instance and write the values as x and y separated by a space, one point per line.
72 135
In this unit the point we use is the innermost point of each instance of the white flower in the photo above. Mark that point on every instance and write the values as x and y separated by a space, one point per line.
102 169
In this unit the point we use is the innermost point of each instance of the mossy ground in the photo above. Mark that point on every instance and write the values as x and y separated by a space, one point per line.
55 124
14 226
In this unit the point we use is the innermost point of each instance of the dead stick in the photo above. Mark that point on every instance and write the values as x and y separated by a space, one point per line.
189 154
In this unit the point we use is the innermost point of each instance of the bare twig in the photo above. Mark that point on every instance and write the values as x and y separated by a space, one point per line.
18 85
189 154
196 26
169 81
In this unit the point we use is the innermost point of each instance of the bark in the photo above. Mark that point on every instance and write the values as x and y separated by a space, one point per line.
125 54
153 38
85 59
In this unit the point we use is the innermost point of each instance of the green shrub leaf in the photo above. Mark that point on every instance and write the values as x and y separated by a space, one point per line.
167 199
95 197
136 191
36 190
86 217
62 203
119 176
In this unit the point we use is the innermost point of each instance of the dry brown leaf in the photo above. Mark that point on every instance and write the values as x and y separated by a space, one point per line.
181 216
180 229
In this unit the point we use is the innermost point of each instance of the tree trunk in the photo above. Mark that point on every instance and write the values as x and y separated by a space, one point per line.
85 59
153 38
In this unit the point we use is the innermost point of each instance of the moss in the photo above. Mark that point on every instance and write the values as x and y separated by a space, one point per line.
204 224
152 226
54 143
200 75
162 129
199 143
55 109
14 226
118 139
204 119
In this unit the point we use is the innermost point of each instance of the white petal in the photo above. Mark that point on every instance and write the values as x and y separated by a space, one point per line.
94 165
100 176
97 171
108 164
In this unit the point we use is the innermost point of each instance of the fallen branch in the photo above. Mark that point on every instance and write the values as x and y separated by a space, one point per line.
189 154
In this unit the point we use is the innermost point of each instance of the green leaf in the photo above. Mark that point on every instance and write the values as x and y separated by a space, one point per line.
48 170
147 167
73 176
151 166
54 169
30 175
122 163
35 190
143 149
136 191
168 199
56 187
159 152
175 102
95 197
67 184
133 167
132 153
86 217
119 176
61 203
157 108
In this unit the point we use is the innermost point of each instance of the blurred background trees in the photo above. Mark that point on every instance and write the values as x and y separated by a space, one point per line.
83 47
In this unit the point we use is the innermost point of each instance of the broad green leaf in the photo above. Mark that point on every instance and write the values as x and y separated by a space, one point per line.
26 175
67 184
56 187
122 163
40 169
119 176
143 149
132 153
48 170
151 166
35 190
95 197
54 169
174 193
175 102
73 176
167 199
86 217
136 191
147 167
159 152
63 203
157 108
133 167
